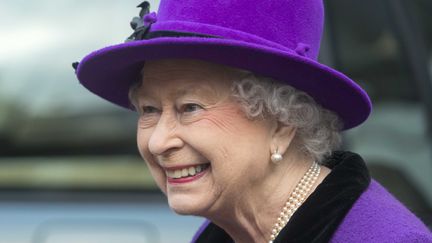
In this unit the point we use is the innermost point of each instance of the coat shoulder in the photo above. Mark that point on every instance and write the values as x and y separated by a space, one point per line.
379 217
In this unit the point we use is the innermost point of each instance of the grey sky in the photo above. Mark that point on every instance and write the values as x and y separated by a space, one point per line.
40 39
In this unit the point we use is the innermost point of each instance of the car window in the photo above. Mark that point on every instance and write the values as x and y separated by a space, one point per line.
421 17
54 134
369 46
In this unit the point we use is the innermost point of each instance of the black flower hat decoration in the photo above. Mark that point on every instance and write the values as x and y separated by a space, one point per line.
141 25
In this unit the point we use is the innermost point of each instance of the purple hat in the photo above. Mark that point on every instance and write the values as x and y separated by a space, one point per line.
277 39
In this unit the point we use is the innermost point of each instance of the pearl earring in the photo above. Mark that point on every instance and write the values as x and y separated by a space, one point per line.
276 157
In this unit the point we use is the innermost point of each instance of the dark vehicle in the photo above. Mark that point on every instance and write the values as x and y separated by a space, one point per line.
69 167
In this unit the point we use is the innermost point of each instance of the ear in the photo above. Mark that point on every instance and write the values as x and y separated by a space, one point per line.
282 137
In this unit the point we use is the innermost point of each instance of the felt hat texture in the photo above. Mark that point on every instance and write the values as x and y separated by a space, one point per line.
273 38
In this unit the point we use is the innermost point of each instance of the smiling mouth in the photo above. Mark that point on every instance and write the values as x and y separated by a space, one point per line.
186 174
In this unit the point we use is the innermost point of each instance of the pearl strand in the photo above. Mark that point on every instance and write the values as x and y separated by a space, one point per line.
296 199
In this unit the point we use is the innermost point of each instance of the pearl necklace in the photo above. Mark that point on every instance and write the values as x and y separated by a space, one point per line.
296 199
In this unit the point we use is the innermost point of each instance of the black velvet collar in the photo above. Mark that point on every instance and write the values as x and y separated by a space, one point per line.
320 215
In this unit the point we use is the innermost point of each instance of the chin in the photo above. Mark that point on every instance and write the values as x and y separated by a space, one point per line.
187 205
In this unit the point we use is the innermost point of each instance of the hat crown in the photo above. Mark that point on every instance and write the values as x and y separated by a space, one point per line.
289 23
274 38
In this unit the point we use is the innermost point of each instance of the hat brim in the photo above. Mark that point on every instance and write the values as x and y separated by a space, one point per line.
110 71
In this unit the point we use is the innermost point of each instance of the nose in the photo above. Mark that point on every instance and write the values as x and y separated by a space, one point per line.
164 137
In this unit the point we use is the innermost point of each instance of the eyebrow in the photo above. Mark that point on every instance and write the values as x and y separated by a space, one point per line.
193 89
183 91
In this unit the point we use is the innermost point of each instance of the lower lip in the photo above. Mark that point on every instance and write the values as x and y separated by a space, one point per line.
188 179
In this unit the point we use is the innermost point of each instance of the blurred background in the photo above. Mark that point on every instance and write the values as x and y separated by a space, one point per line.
69 167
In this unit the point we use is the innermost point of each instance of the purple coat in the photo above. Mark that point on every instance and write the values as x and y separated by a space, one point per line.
378 217
346 207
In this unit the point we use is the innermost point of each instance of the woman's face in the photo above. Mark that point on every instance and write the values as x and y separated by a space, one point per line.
202 151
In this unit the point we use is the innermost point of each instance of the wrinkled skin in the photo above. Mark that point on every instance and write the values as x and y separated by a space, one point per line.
188 117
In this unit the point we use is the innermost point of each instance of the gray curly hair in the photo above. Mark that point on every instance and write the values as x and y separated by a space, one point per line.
318 129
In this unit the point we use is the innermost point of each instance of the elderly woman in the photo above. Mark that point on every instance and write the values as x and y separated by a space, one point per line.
238 123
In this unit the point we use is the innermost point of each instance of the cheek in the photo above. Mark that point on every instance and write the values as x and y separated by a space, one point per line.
227 120
235 142
230 125
215 135
142 142
156 171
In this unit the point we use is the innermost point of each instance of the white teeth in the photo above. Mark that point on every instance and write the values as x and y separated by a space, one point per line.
185 172
177 174
192 171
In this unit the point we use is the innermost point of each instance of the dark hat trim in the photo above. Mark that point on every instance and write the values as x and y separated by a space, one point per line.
158 34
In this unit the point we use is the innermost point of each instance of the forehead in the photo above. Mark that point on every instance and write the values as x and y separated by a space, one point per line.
186 75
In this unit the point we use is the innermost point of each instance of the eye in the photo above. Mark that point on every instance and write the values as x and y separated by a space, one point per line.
149 110
190 107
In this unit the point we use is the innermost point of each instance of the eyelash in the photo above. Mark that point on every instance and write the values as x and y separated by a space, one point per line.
189 105
183 108
146 108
